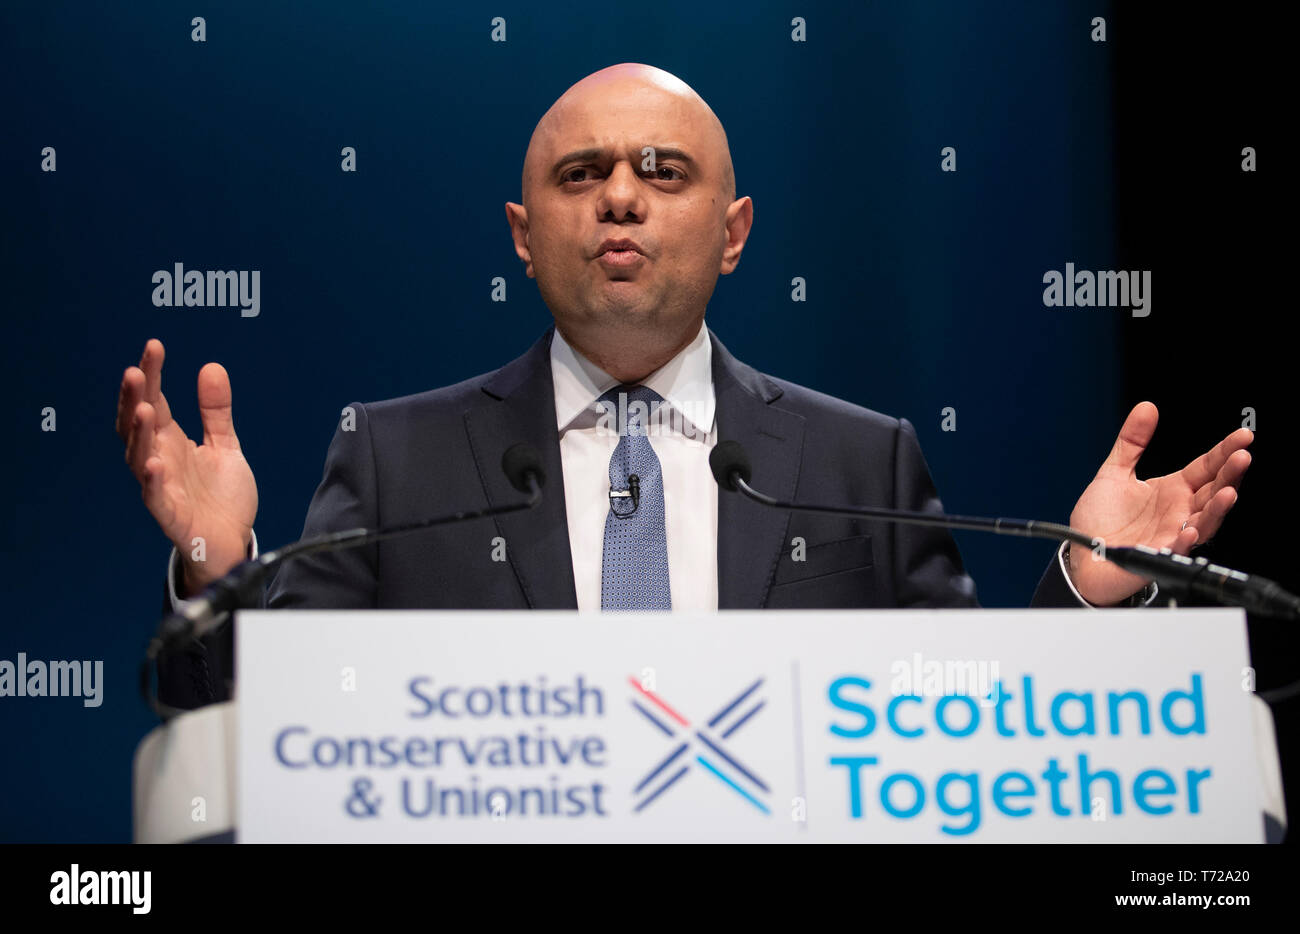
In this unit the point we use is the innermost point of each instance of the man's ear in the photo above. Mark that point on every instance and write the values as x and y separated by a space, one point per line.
739 219
517 216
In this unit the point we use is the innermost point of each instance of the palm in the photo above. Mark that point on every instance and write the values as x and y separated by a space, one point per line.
1176 511
211 492
1123 508
194 491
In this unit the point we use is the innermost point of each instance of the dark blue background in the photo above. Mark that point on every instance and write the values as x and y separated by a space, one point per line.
924 288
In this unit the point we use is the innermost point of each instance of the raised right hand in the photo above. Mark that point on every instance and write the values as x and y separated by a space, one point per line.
192 490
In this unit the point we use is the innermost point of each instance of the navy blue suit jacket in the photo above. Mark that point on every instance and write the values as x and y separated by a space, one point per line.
440 452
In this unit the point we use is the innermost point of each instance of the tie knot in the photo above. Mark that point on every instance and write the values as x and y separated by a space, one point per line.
630 408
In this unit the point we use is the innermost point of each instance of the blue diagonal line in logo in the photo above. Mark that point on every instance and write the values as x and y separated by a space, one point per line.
726 710
660 767
653 719
734 764
664 787
739 723
740 791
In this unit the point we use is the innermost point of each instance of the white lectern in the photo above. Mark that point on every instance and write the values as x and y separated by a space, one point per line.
749 726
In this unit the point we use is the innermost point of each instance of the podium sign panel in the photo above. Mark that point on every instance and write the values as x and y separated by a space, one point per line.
920 726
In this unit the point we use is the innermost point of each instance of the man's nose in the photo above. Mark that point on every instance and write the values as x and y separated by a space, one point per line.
621 195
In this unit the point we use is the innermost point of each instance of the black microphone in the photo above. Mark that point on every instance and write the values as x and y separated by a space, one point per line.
521 464
1197 576
518 462
632 492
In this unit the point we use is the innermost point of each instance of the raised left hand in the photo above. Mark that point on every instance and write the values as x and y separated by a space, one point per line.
1177 511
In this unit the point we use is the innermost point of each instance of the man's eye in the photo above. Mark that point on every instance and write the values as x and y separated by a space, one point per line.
581 174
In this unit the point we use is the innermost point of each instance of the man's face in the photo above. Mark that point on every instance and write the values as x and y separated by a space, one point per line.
589 180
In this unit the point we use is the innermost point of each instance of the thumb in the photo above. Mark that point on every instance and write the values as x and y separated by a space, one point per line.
214 407
1134 436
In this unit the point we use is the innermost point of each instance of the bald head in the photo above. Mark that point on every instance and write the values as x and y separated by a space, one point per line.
629 216
625 86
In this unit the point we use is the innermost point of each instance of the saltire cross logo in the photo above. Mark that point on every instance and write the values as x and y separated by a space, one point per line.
699 746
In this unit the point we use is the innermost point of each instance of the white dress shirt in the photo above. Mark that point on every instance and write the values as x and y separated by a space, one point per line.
681 437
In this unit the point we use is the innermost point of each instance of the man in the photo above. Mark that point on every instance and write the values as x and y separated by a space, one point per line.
626 253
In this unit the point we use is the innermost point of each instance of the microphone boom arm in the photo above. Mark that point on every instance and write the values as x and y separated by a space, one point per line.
1026 528
1178 573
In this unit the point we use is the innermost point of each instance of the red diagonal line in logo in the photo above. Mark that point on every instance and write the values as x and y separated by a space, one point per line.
654 699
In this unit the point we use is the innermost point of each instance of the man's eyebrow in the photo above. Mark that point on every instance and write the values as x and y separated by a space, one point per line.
594 153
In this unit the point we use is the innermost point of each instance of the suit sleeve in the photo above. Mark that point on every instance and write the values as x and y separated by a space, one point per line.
204 671
190 676
928 566
347 498
1055 589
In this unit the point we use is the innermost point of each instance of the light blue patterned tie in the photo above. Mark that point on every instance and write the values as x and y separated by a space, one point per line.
634 568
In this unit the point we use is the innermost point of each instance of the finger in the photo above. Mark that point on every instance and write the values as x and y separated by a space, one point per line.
1185 540
1204 469
151 488
214 407
140 446
1230 474
1207 521
151 362
1134 436
128 397
133 423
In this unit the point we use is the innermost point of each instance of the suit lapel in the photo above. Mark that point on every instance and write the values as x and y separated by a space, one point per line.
751 537
521 407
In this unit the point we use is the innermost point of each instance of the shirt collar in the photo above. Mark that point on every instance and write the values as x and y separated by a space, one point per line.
685 382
